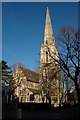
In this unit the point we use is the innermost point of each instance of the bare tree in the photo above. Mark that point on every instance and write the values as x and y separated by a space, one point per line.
13 85
51 81
68 53
14 66
67 86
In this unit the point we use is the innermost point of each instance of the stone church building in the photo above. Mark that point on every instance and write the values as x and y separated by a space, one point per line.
46 86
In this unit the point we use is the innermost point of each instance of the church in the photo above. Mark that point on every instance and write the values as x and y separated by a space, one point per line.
46 85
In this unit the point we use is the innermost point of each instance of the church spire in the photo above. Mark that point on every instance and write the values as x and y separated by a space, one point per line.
47 64
48 26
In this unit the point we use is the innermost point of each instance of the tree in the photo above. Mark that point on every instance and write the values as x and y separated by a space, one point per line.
5 73
14 66
75 98
50 81
13 85
68 53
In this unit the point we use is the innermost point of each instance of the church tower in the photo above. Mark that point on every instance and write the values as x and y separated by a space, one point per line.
50 83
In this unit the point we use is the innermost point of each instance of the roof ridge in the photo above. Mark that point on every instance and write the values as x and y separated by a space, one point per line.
28 69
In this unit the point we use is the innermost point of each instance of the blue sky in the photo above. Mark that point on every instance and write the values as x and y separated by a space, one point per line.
23 28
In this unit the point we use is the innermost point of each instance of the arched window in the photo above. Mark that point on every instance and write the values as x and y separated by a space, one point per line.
46 56
45 73
46 41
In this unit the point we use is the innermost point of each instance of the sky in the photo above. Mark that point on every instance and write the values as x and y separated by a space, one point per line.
23 27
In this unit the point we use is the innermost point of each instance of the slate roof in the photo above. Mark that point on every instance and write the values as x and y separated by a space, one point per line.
29 74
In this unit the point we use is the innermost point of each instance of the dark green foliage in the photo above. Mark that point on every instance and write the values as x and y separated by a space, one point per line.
5 73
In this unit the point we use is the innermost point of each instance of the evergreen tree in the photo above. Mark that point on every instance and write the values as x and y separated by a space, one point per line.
5 73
